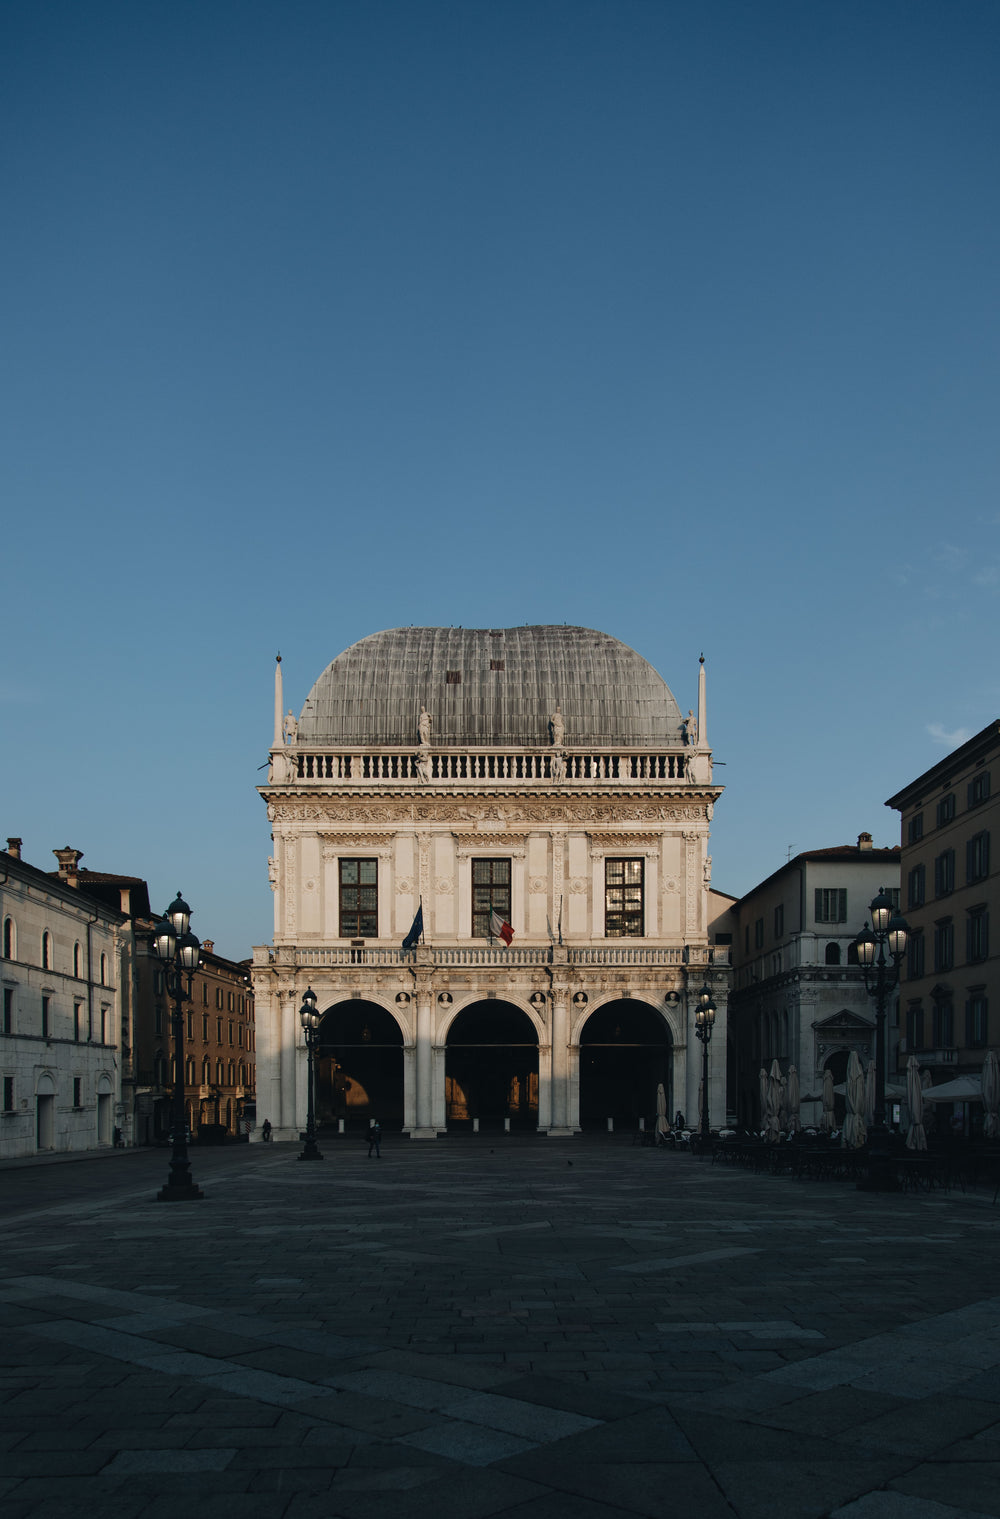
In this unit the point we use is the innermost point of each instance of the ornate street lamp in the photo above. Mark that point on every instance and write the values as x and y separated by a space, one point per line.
178 950
880 951
704 1023
310 1020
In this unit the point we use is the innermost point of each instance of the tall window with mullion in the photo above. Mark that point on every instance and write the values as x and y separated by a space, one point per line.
623 899
490 893
359 899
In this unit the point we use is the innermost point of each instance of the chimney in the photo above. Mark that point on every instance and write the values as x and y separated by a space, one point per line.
69 860
864 841
14 848
208 945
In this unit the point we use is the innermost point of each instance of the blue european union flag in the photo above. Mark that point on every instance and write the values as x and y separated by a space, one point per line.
416 929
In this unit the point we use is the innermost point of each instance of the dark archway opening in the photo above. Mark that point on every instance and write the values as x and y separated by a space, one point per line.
625 1052
359 1067
491 1068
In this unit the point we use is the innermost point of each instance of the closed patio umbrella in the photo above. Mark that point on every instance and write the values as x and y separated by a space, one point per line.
762 1082
794 1121
774 1103
854 1123
916 1139
661 1113
828 1121
991 1095
870 1094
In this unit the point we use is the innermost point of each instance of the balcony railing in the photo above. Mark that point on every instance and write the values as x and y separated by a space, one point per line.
486 954
475 766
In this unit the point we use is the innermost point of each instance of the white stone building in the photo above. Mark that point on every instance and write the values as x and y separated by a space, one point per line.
541 778
65 960
799 995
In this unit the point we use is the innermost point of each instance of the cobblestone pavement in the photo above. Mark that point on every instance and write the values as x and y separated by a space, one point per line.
543 1329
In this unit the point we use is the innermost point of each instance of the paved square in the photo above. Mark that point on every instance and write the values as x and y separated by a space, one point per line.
527 1328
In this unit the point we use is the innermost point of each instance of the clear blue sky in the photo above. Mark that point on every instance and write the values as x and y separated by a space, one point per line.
677 321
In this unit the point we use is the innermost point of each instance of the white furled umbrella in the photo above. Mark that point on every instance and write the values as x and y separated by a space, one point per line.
828 1121
854 1123
762 1081
794 1121
916 1139
661 1112
870 1094
774 1103
991 1095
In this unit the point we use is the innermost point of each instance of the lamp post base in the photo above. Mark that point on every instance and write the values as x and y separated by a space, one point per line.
178 1194
311 1150
882 1175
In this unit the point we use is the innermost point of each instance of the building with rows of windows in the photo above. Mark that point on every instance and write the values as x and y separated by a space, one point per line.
799 995
65 973
951 888
535 800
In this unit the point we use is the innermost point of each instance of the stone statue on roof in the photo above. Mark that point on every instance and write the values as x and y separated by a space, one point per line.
290 728
690 728
424 726
557 726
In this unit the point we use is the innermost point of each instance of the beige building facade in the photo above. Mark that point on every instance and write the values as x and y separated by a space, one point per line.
533 784
951 900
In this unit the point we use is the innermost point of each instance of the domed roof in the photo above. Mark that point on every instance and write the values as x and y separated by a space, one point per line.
490 686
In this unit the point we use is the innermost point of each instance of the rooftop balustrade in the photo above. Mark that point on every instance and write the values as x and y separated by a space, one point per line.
385 766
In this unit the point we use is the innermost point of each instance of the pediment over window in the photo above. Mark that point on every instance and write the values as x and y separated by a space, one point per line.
843 1025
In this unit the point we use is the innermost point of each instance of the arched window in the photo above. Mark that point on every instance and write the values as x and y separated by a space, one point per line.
206 1071
76 960
104 970
46 950
852 953
160 1069
232 1074
243 1075
9 939
833 954
189 1078
219 1073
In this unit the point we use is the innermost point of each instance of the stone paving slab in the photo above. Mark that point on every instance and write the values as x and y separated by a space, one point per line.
472 1330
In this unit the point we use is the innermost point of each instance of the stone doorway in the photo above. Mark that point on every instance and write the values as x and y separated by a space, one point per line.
625 1051
491 1069
359 1067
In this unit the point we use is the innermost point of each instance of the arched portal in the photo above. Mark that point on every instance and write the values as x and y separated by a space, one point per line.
359 1066
625 1052
491 1068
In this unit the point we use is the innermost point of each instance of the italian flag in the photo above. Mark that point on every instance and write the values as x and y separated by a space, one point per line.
498 928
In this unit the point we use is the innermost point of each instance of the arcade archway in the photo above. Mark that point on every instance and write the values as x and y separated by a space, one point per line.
491 1068
625 1052
359 1066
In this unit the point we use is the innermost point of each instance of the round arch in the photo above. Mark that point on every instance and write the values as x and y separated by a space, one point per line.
626 1050
359 1066
491 1067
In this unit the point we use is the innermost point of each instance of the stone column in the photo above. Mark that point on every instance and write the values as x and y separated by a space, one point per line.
545 1088
424 1062
560 1123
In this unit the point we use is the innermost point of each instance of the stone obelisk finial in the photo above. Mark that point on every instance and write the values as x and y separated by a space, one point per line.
702 706
279 702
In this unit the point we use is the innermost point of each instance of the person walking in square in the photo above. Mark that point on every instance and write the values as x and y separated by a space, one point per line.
375 1139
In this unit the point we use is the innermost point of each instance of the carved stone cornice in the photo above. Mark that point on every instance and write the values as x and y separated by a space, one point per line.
496 812
475 843
374 843
647 844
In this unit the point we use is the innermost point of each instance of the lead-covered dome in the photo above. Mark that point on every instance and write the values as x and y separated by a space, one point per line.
490 686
